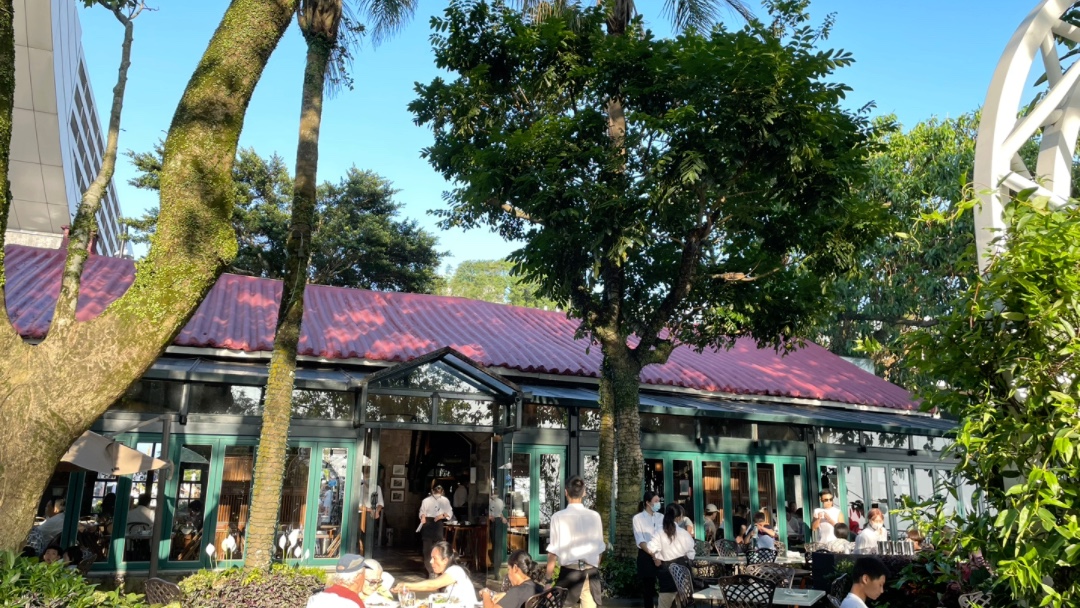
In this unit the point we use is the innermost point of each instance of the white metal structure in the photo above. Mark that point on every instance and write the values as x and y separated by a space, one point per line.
998 166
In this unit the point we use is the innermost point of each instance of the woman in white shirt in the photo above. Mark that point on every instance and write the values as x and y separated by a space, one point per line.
646 524
450 577
867 540
826 517
670 545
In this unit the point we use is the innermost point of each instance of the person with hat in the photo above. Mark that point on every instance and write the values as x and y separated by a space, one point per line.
713 524
355 579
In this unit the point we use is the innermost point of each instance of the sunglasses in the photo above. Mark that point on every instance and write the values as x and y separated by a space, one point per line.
826 500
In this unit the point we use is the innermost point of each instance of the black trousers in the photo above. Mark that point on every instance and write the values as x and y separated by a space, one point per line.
431 533
573 580
646 570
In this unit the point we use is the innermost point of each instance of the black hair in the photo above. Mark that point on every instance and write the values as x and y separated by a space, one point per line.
56 548
524 562
645 500
73 554
868 565
144 499
841 531
108 504
824 492
28 551
195 505
759 516
575 488
670 513
448 554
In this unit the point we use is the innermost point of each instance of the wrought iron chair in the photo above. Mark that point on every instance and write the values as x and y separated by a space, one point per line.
761 556
702 548
838 590
727 548
159 591
780 576
781 548
743 591
548 598
684 585
977 599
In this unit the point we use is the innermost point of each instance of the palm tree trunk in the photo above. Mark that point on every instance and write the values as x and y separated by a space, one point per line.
274 436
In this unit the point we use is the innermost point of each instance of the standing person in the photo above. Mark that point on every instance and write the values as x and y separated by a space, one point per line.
764 535
739 521
826 517
520 569
867 540
371 506
868 582
576 543
670 545
713 525
461 502
355 580
435 510
449 576
646 524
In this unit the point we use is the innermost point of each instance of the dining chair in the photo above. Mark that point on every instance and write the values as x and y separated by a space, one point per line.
159 591
761 556
548 598
838 590
727 548
781 576
977 599
743 591
684 585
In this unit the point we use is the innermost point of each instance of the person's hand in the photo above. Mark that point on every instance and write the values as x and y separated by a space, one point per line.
397 588
657 562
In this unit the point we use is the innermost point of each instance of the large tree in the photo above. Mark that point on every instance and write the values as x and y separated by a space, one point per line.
723 209
493 281
51 392
359 238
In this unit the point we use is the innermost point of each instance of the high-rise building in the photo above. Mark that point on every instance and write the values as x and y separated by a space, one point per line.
57 142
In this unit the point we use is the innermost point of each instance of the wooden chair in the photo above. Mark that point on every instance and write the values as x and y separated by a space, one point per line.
159 591
684 585
744 591
780 576
548 598
838 590
761 556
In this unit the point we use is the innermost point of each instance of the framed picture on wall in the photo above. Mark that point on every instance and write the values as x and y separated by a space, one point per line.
399 470
397 496
397 483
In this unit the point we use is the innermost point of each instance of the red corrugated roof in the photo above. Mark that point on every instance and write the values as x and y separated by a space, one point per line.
240 313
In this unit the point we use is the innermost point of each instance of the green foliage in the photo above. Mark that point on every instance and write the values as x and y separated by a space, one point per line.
32 583
620 577
494 281
280 586
1007 359
358 240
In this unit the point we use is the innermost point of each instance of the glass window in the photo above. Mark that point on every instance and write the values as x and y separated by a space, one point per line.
653 476
293 513
837 436
878 492
856 499
329 405
52 513
150 397
539 416
683 485
766 493
794 510
590 469
712 478
942 481
140 508
517 502
435 376
780 432
885 440
589 418
720 427
234 400
398 408
235 502
671 425
740 497
551 494
901 482
99 511
193 477
332 498
469 412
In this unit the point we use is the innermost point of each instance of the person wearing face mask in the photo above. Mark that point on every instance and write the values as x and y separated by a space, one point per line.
646 524
867 540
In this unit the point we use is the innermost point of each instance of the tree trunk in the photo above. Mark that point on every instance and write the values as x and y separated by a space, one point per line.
7 102
277 406
52 392
620 376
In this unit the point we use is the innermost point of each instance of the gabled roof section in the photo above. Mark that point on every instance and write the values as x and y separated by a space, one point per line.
240 314
465 368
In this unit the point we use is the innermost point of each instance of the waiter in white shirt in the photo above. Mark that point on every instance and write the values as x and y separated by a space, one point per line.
646 523
371 502
576 543
435 510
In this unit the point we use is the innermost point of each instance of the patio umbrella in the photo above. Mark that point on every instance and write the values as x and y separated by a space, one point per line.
103 455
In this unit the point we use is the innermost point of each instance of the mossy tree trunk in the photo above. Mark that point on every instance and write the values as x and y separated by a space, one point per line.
277 406
7 102
620 375
52 392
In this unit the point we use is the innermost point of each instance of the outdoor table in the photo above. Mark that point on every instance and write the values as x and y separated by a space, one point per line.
781 597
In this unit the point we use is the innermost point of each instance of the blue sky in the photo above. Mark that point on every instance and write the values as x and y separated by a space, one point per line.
914 58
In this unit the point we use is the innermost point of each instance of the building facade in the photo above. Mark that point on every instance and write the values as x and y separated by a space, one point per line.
56 142
408 391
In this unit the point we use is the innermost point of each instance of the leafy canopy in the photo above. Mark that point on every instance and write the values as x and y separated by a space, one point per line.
720 210
493 281
358 240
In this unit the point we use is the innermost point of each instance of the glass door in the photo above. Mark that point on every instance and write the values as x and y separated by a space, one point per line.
534 492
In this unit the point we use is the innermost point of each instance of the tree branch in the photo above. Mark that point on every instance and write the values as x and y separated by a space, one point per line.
890 320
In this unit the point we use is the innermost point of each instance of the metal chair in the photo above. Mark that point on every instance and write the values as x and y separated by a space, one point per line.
705 572
781 548
727 548
549 598
761 556
159 591
684 585
780 576
743 591
977 599
838 590
702 548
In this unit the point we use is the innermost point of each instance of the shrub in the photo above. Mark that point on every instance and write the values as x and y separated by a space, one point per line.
620 577
280 586
34 584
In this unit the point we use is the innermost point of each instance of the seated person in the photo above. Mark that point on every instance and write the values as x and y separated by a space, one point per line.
520 570
918 540
44 534
449 576
764 535
712 516
840 544
51 554
28 551
141 513
353 583
72 556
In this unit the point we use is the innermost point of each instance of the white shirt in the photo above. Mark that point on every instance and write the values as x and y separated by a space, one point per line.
365 496
577 534
323 599
852 601
795 527
461 591
646 523
461 496
433 506
666 549
867 540
496 506
49 528
825 529
141 515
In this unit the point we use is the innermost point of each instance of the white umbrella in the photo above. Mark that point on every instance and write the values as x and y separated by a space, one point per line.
103 455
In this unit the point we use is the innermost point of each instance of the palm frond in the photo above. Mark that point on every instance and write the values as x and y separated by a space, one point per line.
385 17
540 10
702 14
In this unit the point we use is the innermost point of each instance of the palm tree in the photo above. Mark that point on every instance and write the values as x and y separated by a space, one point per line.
330 32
